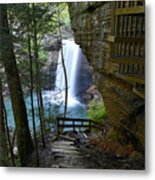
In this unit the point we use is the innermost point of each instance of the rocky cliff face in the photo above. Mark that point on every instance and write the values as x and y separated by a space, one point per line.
49 71
84 79
111 36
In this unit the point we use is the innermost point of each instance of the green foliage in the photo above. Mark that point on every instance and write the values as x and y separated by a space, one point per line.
46 23
64 15
96 110
42 55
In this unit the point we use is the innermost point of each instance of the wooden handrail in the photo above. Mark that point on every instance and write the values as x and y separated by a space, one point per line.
77 120
74 123
130 10
72 119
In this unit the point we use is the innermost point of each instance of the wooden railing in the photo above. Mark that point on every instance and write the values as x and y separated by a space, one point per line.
128 46
77 124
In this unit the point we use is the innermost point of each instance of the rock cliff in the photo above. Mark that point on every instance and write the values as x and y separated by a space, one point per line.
111 35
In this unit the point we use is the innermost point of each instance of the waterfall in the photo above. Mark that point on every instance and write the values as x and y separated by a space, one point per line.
72 58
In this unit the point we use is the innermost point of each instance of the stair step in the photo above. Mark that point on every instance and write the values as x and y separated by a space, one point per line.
63 143
67 138
54 150
78 156
70 166
64 147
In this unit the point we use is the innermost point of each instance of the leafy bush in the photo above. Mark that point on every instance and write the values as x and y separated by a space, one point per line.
96 110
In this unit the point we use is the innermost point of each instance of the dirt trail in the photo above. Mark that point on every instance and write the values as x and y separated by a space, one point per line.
73 150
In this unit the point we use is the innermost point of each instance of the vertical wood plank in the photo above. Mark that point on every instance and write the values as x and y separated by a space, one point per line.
125 26
129 25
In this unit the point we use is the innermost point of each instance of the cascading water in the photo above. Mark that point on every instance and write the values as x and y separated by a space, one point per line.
72 57
71 54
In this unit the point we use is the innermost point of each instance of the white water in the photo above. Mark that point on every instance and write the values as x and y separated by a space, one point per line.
71 54
72 57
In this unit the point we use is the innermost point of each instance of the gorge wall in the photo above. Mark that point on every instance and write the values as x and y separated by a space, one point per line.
111 35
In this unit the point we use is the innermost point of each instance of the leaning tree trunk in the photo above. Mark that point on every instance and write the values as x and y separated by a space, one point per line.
4 134
63 63
3 140
7 57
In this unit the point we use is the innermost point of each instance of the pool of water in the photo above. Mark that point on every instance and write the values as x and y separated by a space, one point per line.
51 109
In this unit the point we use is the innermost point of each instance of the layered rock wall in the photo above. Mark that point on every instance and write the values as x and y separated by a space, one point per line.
118 76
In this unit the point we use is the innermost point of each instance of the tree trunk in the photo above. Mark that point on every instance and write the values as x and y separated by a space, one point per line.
3 140
7 57
38 81
31 86
11 145
63 63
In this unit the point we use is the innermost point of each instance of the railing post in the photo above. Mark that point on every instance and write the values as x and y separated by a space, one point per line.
89 125
58 131
81 125
73 126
